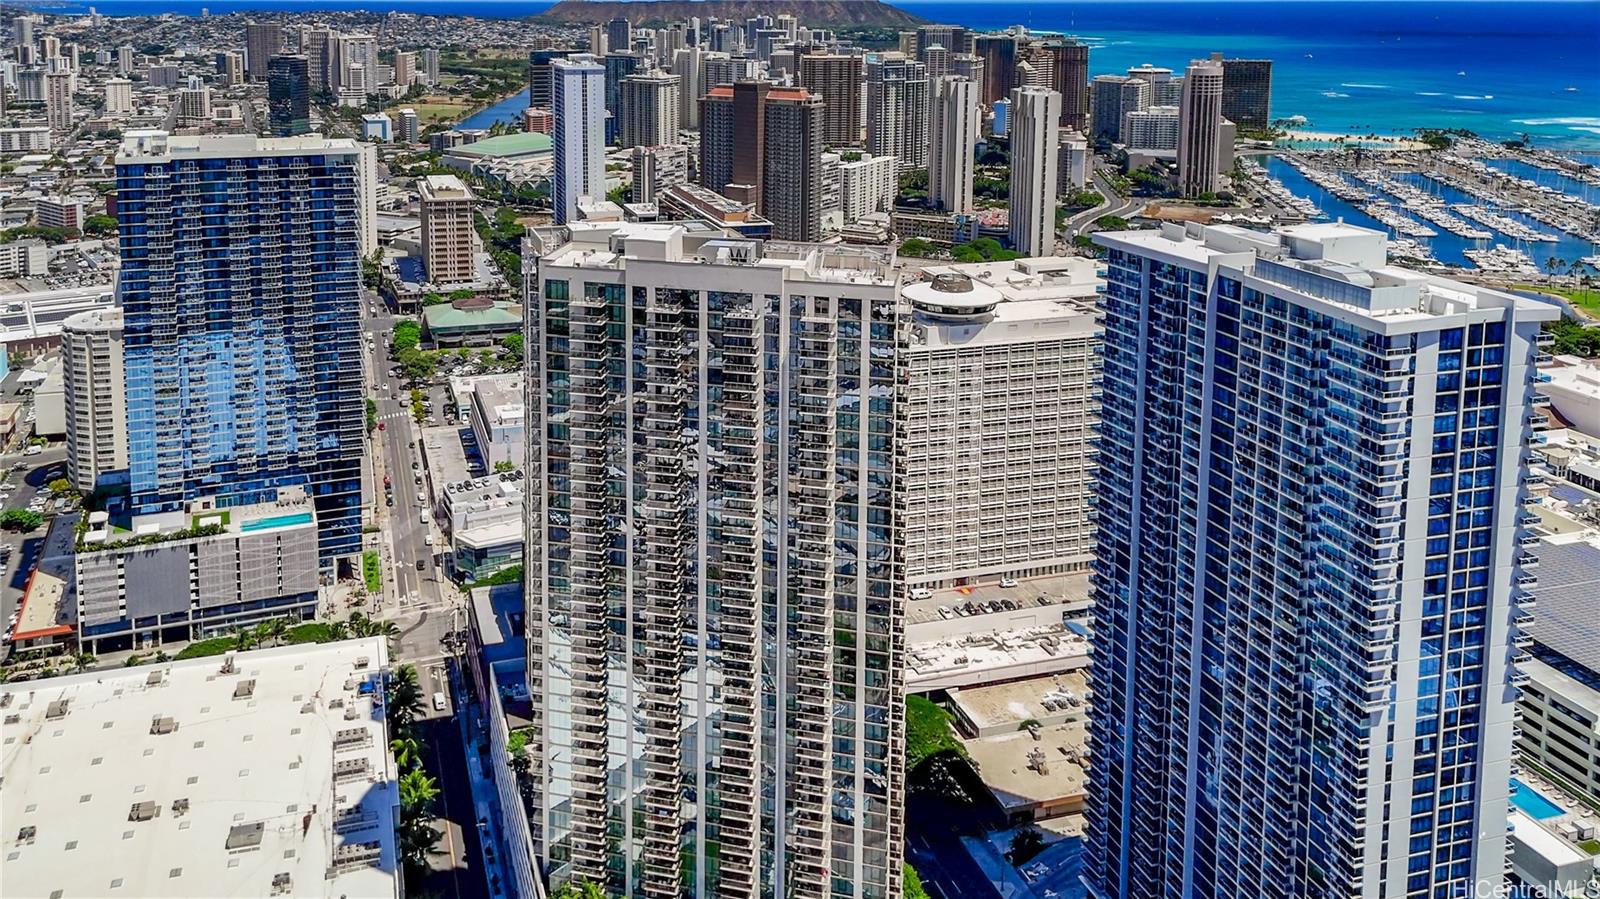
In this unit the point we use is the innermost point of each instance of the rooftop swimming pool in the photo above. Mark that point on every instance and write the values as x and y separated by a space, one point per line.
1533 803
276 521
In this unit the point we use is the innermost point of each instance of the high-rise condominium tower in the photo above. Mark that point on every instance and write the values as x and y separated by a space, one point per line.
954 128
449 241
1035 169
1200 129
97 417
649 110
1246 91
1070 78
897 109
262 41
578 142
837 78
240 288
289 95
1310 569
713 563
541 75
762 144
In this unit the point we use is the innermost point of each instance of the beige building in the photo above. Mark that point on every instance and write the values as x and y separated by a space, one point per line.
119 96
448 239
58 100
96 409
1560 728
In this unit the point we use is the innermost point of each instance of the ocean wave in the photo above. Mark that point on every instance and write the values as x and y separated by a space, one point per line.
1474 96
1429 94
1373 87
1335 94
1562 120
1592 129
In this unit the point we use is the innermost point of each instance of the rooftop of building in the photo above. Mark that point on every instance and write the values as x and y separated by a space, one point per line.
261 773
1022 770
155 145
442 187
986 302
293 508
1572 690
501 399
1341 265
109 319
989 708
522 143
460 316
1569 581
611 245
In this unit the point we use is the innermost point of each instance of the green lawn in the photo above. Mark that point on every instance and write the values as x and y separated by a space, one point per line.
372 569
1586 298
441 109
215 646
1590 846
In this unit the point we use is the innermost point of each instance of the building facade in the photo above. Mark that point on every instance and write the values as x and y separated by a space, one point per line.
289 95
1000 414
1155 128
449 240
1200 129
657 168
1115 97
578 143
954 131
720 466
897 109
262 41
96 407
1035 169
837 78
1309 569
649 110
234 405
1246 91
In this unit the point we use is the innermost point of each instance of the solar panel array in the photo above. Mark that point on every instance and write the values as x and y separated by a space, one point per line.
1567 617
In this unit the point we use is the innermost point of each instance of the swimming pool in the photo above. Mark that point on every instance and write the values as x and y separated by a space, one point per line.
1532 802
276 521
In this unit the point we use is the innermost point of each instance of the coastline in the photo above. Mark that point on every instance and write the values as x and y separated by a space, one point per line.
1301 139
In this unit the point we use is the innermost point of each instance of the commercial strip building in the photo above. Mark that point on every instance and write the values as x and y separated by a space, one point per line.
1287 403
258 773
793 631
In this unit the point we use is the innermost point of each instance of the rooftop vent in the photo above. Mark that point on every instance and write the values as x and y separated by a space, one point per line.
362 662
57 709
353 854
282 884
153 679
27 833
952 282
180 806
227 664
245 836
143 811
244 689
163 724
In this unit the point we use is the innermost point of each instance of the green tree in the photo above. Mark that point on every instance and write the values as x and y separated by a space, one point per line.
918 248
407 335
504 465
585 889
20 520
1026 844
405 695
59 486
372 415
407 753
100 225
913 884
513 345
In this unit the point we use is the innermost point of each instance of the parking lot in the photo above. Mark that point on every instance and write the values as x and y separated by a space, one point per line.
25 487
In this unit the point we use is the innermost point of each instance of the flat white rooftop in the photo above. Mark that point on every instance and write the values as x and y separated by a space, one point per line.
184 779
153 146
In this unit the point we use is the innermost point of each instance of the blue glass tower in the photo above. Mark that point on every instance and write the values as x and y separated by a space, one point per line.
240 287
1310 576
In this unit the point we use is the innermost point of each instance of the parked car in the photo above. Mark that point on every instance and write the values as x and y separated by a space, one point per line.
921 593
944 612
1008 581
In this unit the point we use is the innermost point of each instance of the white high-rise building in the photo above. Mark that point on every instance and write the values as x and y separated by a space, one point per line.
757 566
1200 129
119 96
357 63
867 184
578 101
999 457
1035 166
124 60
954 129
650 107
1075 162
91 358
897 109
430 65
194 104
689 64
1155 128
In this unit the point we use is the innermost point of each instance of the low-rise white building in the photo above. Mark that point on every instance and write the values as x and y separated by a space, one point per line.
867 185
1573 386
497 411
264 773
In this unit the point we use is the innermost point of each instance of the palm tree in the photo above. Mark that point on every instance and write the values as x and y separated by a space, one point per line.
339 631
583 889
418 792
405 698
407 754
1553 265
274 630
243 638
83 661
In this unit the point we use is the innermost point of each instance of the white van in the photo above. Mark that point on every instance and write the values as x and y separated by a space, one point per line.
438 701
424 516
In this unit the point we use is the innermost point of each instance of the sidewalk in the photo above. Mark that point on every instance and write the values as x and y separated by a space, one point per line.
485 798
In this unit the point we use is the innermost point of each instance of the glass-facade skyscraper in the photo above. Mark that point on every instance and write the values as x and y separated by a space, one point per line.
1311 576
240 289
714 571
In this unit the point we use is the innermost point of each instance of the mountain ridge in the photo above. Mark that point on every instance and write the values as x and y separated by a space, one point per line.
816 13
